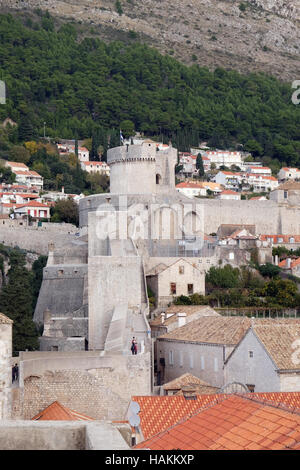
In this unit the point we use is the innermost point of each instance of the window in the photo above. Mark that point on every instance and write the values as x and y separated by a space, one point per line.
191 361
292 240
285 195
251 387
171 358
173 288
190 288
216 364
54 348
181 269
181 359
202 363
231 255
250 353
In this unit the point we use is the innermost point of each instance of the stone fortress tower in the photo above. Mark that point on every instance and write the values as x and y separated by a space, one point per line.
94 290
5 366
141 169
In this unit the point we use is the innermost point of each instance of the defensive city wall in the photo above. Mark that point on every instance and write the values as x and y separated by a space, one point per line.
33 238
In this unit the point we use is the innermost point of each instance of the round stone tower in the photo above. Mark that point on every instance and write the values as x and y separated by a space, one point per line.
133 168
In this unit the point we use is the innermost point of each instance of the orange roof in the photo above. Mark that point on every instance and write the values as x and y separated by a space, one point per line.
285 238
232 422
283 264
189 184
93 163
18 164
228 191
58 412
33 204
159 412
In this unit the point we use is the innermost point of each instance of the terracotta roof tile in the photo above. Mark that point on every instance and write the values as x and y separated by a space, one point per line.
57 412
217 426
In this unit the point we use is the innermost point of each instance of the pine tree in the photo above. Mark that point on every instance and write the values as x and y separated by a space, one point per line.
17 300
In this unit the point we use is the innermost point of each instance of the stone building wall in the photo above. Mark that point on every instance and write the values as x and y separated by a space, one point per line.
36 239
100 387
5 366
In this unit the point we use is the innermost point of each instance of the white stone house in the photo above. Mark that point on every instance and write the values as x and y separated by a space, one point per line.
286 173
191 189
200 348
180 278
95 167
267 359
225 158
229 194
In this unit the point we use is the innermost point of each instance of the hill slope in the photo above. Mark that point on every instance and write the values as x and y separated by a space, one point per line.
247 35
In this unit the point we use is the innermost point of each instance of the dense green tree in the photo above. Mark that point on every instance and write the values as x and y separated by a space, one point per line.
16 301
223 277
48 81
65 211
199 165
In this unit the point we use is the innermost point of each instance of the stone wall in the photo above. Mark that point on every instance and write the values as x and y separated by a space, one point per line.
100 387
36 239
5 368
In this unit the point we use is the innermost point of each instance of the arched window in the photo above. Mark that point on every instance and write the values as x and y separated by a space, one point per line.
158 179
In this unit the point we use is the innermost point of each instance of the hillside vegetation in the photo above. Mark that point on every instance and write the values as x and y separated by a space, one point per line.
80 88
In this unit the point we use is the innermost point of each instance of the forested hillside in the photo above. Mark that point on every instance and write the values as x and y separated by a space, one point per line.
82 87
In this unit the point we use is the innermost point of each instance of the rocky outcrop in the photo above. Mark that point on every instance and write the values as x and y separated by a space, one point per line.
261 35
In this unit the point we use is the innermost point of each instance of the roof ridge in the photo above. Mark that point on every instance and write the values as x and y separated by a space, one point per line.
265 401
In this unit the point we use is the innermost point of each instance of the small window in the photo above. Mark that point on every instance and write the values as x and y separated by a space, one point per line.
231 255
171 358
190 288
191 361
251 387
250 353
173 288
202 363
285 195
181 359
216 368
181 269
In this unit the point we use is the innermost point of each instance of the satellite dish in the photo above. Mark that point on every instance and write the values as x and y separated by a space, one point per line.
234 387
134 407
134 420
133 417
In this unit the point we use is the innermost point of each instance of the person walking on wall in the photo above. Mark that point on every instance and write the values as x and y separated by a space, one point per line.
133 346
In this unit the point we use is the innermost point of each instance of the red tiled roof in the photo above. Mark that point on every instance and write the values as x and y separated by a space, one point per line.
285 238
160 412
231 422
189 185
228 191
294 263
58 412
93 163
33 204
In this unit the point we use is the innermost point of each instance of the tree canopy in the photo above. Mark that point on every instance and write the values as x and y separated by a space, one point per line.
77 85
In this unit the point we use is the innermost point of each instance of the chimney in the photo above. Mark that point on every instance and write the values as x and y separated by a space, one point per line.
163 317
181 319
